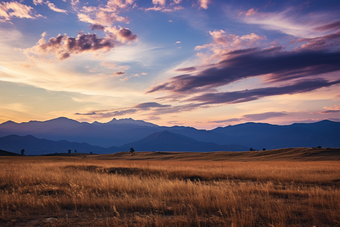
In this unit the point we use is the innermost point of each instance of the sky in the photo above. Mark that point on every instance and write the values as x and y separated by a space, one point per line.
199 63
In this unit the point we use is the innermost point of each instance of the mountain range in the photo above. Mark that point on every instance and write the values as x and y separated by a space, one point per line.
61 134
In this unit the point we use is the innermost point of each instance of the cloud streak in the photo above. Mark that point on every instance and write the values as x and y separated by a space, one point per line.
255 94
50 5
147 106
292 22
253 117
275 63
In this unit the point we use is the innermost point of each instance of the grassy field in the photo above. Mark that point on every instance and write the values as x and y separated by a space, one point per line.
287 187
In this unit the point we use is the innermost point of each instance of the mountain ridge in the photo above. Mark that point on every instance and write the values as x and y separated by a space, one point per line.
117 133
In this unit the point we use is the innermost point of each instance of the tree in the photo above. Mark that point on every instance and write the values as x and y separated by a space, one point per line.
319 147
69 151
75 151
251 149
22 152
132 151
263 149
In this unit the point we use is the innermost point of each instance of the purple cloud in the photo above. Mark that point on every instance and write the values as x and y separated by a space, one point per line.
148 105
227 120
253 117
263 116
188 69
281 65
129 110
63 46
96 27
332 26
330 111
254 94
321 43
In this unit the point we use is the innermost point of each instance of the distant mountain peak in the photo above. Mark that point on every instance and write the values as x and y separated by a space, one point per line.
9 122
130 121
62 119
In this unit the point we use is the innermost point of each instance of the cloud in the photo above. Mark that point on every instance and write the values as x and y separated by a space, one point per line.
148 105
124 111
253 117
275 63
105 15
187 69
178 42
50 5
102 18
96 27
112 65
123 34
109 114
330 111
292 22
227 120
263 116
331 26
330 41
333 109
254 94
250 12
211 99
204 3
54 8
118 73
163 8
63 46
223 43
160 2
16 9
38 2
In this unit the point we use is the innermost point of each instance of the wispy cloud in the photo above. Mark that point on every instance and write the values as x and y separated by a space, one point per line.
275 63
204 3
124 111
50 5
330 110
253 117
254 94
292 22
16 9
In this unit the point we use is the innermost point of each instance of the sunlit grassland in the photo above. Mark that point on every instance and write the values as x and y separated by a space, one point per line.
88 191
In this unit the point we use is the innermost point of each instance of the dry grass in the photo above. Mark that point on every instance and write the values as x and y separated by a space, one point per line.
69 191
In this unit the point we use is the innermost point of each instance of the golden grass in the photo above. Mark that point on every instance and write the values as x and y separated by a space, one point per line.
69 191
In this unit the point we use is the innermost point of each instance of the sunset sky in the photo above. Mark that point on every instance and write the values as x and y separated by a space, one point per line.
200 63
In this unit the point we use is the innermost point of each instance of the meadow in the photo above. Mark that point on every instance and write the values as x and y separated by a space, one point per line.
287 187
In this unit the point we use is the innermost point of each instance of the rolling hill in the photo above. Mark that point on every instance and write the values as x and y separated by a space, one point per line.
167 141
6 153
35 146
160 141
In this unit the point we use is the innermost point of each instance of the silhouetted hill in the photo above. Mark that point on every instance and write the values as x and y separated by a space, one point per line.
6 153
115 132
119 132
261 135
167 141
35 146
